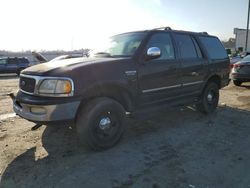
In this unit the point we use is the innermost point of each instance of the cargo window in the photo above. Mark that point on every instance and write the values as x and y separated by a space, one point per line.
164 42
214 48
186 46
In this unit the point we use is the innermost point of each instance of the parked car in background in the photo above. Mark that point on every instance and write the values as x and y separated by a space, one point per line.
241 71
13 64
42 59
234 60
39 57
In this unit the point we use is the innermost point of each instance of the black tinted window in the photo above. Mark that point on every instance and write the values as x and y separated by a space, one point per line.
162 41
198 50
214 47
23 60
186 46
12 61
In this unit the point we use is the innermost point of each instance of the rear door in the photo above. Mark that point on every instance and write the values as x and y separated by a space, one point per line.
159 79
193 64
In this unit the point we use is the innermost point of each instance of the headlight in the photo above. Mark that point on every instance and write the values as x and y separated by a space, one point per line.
62 87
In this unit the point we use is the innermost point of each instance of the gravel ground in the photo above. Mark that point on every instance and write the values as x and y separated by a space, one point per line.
8 84
177 148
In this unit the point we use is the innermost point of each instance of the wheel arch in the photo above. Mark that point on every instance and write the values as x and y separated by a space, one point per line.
118 92
214 78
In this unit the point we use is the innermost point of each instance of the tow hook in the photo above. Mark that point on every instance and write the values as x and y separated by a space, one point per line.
36 127
11 95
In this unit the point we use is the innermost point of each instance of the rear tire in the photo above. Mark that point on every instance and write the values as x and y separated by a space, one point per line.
100 123
209 98
237 82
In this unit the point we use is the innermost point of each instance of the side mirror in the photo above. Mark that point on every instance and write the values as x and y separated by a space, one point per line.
153 53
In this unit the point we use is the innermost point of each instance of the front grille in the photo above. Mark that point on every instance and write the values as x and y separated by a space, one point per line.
27 84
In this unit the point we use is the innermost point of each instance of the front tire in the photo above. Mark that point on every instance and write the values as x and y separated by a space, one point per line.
100 123
209 99
237 82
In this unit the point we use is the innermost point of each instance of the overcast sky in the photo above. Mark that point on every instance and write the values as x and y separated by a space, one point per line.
76 24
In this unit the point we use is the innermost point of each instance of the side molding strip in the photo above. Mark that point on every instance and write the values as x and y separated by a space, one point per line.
170 87
160 88
193 83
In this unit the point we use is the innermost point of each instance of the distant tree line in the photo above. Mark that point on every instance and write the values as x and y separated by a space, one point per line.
230 43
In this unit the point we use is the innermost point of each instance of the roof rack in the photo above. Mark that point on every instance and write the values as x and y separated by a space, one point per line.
165 28
169 29
204 33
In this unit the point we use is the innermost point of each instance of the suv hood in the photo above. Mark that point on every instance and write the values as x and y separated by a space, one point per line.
64 65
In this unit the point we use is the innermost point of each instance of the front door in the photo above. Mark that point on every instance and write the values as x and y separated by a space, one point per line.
159 79
3 66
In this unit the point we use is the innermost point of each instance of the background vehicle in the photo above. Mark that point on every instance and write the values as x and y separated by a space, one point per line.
241 71
13 65
234 60
137 72
42 59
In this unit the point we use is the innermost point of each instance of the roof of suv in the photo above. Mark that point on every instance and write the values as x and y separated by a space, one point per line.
13 58
169 29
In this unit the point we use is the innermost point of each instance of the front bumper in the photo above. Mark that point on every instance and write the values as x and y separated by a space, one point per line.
46 114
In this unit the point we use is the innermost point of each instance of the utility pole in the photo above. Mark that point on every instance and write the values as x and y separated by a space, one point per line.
247 25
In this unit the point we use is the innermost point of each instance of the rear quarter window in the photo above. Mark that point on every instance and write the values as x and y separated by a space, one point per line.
23 61
214 47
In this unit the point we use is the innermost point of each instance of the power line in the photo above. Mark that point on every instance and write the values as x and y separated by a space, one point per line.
247 25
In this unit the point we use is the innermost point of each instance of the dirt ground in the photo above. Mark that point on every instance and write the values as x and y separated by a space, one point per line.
173 148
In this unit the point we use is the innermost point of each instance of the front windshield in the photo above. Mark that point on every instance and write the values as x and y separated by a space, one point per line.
123 45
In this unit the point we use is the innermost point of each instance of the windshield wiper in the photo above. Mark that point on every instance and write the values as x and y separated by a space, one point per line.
121 56
102 54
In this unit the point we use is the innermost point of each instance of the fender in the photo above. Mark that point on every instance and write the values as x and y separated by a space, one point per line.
116 90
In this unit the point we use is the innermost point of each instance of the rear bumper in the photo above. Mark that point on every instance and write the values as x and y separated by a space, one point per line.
243 77
46 114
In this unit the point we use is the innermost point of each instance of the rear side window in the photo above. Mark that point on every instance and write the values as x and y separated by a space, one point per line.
186 46
23 61
214 47
12 61
198 50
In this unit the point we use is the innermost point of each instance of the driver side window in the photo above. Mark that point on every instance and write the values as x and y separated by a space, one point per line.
164 43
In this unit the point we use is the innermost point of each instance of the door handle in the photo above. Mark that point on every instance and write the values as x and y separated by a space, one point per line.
195 74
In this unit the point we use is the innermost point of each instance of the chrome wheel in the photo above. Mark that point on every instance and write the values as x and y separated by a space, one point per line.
105 123
106 126
210 97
